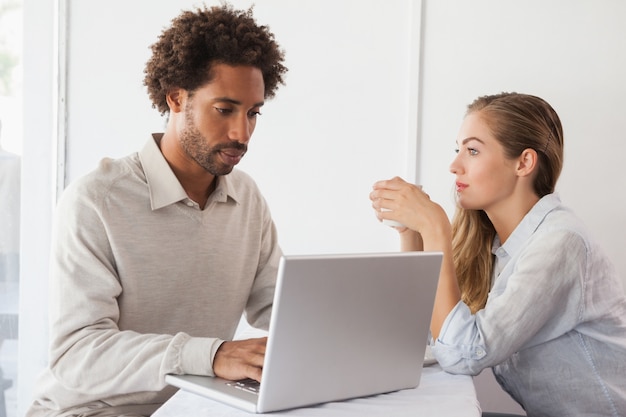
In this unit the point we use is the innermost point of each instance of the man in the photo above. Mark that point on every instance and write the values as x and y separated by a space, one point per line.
157 255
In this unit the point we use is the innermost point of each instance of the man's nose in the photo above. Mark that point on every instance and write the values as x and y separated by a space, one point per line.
241 129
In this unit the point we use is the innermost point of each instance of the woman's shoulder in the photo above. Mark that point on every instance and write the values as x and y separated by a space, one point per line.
564 233
563 219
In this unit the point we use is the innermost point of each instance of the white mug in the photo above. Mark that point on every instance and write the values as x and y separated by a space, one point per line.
391 223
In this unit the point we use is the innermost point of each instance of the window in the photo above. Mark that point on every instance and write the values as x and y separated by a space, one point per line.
10 180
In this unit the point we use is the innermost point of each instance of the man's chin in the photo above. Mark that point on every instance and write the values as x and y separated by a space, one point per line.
221 171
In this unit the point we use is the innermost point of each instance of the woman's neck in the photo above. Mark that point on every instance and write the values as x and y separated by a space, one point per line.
506 217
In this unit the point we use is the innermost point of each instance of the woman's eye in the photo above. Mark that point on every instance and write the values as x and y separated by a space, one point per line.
456 150
472 151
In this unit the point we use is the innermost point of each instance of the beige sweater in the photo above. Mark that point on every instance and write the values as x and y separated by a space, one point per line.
145 283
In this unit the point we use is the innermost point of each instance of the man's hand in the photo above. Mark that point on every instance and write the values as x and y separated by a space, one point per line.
240 359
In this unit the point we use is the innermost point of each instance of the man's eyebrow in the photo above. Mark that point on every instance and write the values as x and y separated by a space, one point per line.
236 102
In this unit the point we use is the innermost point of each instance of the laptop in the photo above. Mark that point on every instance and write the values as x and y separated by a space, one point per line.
342 326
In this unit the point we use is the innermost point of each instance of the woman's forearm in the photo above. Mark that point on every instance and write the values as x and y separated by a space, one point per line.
447 296
439 238
411 241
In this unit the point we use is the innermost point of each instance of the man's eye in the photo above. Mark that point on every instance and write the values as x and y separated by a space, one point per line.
254 113
223 110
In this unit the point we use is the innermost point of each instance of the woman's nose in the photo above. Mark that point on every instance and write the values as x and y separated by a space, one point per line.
455 166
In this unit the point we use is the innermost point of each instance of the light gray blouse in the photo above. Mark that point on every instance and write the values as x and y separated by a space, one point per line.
554 326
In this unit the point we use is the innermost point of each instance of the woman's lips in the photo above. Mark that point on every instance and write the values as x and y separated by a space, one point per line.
460 187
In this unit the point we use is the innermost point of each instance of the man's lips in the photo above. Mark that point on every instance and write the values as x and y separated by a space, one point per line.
231 156
460 187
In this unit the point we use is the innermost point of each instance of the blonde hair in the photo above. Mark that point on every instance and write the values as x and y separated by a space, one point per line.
518 122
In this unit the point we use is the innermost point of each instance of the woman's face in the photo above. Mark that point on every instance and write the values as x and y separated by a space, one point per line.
485 178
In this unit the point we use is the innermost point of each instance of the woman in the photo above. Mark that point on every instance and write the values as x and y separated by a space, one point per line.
523 288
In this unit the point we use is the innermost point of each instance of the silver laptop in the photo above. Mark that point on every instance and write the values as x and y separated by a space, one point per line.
342 326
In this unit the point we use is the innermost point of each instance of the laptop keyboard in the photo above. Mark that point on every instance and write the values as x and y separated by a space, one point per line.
249 385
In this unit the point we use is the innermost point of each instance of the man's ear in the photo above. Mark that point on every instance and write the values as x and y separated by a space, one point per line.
176 98
526 162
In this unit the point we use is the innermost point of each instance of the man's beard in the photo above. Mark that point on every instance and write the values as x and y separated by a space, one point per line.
194 145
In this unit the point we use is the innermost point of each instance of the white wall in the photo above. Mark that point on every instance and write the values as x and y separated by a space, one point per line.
342 121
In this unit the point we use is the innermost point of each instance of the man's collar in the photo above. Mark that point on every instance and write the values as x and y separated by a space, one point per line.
165 189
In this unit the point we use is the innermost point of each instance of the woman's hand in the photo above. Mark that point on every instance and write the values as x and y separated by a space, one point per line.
408 204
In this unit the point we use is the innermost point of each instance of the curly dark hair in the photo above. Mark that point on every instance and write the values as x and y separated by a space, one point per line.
196 40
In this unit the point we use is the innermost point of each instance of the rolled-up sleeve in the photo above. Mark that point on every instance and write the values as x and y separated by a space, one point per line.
455 344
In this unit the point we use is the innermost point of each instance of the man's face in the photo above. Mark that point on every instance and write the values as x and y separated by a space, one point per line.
221 116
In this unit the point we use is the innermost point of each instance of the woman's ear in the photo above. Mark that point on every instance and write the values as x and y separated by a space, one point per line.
526 162
175 99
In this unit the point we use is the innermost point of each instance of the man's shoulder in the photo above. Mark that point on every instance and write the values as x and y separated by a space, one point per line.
108 173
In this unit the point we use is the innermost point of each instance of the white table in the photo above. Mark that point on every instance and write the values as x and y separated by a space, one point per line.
439 394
